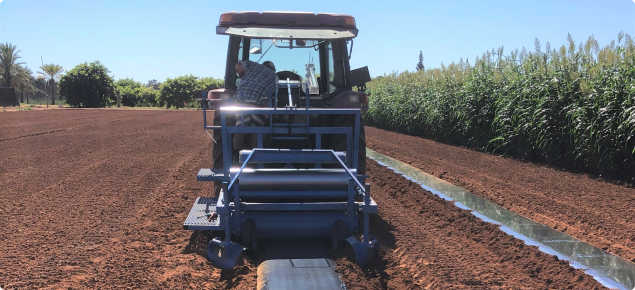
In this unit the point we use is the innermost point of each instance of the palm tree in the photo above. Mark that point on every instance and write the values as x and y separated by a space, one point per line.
53 73
8 62
22 82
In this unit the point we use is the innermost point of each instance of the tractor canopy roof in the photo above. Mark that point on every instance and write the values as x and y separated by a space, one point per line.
287 25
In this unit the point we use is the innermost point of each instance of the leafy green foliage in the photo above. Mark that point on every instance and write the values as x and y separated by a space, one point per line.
89 86
181 91
51 72
147 97
9 64
134 94
127 91
154 84
209 83
572 107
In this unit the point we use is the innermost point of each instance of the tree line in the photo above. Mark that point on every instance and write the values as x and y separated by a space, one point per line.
90 85
14 74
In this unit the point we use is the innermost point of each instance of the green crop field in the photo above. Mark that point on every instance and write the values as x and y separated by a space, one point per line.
572 106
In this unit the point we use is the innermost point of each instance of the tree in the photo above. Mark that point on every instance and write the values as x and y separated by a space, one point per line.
33 88
9 65
52 72
9 62
131 93
154 84
148 97
179 91
420 65
40 88
127 92
210 83
22 81
89 86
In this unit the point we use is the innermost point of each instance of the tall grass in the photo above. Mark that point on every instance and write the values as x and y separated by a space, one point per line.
572 107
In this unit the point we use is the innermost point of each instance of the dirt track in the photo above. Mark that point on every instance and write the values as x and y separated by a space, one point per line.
591 210
96 199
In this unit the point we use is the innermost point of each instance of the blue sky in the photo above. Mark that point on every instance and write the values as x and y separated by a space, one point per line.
157 39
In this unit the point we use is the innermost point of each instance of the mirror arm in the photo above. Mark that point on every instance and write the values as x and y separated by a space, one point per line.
351 51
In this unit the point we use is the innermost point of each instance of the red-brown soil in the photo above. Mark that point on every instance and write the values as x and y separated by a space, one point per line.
594 211
96 199
428 243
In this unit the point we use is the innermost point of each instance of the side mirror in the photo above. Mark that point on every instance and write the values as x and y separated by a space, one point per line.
359 77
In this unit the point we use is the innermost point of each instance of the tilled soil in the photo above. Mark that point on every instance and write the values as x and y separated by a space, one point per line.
429 243
594 211
96 199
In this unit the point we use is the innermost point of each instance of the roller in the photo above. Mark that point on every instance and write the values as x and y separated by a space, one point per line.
295 224
271 179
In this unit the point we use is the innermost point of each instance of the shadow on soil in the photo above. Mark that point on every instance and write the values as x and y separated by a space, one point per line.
269 249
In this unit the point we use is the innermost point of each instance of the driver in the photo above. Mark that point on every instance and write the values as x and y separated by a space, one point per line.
257 85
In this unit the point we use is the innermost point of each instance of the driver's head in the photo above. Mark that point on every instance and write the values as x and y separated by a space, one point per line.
240 68
270 65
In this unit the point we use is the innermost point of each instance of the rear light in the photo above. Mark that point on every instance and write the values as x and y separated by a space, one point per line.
358 98
225 18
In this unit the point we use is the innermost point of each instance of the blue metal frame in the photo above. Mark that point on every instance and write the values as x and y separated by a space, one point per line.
289 129
232 208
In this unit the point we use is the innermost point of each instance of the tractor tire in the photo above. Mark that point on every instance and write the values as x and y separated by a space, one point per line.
338 142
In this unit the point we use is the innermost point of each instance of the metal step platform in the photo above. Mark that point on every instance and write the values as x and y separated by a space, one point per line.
203 215
209 174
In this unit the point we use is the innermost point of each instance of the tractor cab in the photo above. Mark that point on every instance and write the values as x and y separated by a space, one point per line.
310 53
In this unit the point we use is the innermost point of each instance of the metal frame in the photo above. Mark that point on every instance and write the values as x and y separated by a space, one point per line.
235 206
288 129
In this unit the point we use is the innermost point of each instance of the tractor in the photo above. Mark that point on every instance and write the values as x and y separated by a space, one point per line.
302 172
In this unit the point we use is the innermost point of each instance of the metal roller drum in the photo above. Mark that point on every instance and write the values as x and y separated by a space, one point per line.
294 225
294 179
